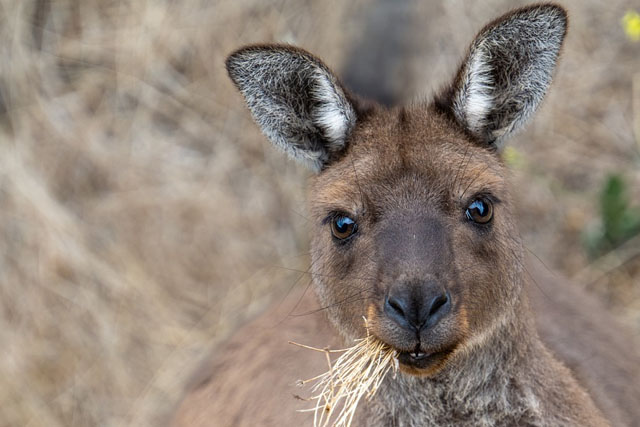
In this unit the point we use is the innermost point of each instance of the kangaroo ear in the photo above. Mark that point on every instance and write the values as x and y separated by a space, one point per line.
506 73
295 99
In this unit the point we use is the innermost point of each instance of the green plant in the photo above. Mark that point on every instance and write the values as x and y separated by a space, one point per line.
619 220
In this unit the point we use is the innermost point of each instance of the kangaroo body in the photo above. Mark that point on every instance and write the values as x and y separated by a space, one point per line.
412 228
258 361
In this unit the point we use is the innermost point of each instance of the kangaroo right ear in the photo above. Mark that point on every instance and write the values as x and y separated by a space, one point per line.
295 99
506 73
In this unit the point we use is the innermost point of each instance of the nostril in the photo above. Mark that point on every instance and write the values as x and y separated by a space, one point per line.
396 306
416 312
437 303
436 309
396 310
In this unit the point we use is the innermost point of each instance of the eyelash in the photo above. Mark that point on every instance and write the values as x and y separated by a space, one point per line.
335 214
482 194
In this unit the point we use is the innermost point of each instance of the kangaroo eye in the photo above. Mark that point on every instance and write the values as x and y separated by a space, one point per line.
480 211
343 227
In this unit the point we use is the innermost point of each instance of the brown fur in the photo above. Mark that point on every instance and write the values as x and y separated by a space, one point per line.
591 342
406 176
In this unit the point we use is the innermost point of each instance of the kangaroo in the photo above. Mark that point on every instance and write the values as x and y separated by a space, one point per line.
412 228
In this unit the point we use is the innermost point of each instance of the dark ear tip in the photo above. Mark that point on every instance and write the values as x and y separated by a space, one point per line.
552 9
556 16
233 60
562 17
245 55
559 11
556 8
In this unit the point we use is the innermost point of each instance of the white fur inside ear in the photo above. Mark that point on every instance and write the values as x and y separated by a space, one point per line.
477 100
507 72
332 114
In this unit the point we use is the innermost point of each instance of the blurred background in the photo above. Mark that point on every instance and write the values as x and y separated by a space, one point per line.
143 217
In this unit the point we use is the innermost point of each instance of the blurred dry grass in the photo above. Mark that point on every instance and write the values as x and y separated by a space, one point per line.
143 217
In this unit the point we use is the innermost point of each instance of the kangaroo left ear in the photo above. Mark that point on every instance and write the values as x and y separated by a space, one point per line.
506 73
296 100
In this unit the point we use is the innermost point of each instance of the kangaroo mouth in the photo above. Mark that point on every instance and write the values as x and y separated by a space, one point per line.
421 362
420 354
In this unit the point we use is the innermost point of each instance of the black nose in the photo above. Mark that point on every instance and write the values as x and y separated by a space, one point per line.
416 312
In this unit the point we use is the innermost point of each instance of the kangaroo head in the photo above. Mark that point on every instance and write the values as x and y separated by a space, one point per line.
411 220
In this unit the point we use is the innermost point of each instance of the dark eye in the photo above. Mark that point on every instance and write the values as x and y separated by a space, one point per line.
343 227
480 211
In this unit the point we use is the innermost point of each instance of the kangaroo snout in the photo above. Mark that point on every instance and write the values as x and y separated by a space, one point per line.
417 306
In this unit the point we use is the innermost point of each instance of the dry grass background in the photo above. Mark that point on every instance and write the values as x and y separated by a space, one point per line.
143 217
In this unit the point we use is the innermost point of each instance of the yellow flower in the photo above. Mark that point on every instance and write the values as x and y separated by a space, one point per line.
631 25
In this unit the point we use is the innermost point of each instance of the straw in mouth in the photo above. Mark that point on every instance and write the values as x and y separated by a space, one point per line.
357 373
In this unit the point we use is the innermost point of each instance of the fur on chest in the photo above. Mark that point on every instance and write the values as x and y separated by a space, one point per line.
481 401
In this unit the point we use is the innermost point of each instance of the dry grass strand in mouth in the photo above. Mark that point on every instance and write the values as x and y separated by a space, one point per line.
358 372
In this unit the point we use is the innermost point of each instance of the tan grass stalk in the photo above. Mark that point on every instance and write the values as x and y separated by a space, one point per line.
358 372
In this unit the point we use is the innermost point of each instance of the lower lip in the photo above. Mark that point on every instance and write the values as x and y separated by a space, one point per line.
420 360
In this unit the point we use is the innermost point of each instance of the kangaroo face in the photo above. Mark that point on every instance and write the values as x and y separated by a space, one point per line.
411 220
412 230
